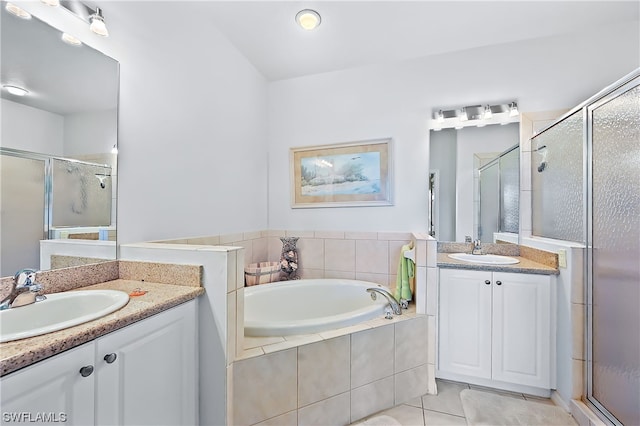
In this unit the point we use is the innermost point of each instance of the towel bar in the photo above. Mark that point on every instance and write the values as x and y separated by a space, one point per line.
410 254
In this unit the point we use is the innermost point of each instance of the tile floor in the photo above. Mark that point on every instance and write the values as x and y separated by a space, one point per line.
442 409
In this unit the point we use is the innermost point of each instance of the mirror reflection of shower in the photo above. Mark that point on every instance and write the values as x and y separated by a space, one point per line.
498 194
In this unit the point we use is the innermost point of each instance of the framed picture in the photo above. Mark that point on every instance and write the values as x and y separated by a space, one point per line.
342 175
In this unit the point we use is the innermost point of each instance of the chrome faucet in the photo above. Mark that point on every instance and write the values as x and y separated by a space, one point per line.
477 247
23 291
393 303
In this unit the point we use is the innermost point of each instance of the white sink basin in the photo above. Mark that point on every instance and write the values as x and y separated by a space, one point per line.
487 259
59 311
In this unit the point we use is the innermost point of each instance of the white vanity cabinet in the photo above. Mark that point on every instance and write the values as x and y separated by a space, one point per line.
495 326
51 391
145 373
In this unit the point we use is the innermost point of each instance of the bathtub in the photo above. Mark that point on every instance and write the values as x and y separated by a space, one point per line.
308 306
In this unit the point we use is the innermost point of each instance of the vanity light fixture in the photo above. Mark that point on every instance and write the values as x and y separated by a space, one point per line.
17 11
97 23
15 90
69 39
474 115
308 19
52 3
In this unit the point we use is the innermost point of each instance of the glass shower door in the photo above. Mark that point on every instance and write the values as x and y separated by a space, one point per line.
613 376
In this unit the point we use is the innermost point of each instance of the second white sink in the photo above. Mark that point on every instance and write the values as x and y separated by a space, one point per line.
59 311
487 259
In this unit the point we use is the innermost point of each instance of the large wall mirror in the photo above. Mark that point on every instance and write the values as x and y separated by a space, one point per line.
474 183
59 148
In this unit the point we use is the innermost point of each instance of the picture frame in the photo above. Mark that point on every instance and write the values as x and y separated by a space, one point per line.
342 175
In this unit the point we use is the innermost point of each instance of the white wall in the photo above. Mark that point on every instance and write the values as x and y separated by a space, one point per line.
31 129
396 100
192 122
90 132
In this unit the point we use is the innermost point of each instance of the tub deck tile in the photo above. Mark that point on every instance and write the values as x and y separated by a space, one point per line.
287 344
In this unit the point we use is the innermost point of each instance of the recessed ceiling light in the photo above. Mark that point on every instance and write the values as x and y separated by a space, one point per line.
15 90
15 10
69 39
308 19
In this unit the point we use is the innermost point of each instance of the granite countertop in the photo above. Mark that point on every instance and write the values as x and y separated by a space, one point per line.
159 297
526 266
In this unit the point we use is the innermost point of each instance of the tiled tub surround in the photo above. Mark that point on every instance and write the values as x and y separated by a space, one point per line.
367 256
335 377
222 308
166 285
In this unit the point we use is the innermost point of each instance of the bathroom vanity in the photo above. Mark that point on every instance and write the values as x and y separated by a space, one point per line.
496 325
116 378
137 365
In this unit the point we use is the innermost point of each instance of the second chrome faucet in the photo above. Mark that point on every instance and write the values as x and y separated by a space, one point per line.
393 303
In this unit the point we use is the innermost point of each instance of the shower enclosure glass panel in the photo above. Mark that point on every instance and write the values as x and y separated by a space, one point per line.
489 202
510 191
614 359
22 212
81 193
557 180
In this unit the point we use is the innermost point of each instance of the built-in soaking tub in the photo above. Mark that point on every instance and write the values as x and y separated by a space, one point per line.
308 306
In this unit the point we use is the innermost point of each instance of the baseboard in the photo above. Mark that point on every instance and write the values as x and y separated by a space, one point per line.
557 399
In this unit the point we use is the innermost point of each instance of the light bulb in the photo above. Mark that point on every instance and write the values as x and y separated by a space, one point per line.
513 110
97 23
15 90
440 116
308 19
15 10
487 112
69 39
463 115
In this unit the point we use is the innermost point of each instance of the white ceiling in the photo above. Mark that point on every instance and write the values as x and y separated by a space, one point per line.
359 33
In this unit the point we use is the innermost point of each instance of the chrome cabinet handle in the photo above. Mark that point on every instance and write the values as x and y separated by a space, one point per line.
487 282
499 282
86 371
110 358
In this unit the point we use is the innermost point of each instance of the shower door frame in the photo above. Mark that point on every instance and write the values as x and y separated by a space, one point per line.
625 84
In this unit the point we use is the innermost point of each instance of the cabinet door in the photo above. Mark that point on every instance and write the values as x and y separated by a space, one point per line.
51 391
521 328
465 322
152 378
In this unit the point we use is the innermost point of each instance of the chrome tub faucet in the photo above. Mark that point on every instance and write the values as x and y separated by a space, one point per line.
393 303
23 291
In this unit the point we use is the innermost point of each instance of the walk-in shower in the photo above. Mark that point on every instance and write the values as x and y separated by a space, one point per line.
585 173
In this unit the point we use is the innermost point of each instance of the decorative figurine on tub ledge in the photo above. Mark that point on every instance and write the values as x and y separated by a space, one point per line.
289 259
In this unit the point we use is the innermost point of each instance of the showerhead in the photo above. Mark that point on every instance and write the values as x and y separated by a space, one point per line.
102 179
542 166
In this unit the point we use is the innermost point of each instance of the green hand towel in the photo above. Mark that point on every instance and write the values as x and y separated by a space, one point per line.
406 270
